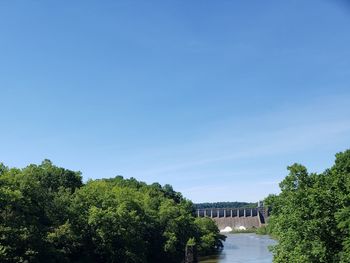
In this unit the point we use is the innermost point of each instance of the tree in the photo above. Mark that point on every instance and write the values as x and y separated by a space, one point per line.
209 239
48 215
33 206
310 217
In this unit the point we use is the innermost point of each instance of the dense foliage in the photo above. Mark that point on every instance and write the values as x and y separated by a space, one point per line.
226 205
48 215
311 215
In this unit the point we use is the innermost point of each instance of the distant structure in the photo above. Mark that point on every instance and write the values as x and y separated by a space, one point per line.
237 218
260 203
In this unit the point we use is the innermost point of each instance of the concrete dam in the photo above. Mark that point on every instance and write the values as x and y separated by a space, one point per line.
236 218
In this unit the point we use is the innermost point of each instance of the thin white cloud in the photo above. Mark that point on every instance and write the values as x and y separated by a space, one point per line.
286 140
292 132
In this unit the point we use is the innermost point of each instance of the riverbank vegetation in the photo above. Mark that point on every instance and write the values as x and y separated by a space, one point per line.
311 216
263 230
243 231
47 214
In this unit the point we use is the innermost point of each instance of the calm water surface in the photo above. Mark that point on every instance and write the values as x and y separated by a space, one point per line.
247 248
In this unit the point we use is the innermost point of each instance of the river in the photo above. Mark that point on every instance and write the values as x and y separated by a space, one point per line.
247 248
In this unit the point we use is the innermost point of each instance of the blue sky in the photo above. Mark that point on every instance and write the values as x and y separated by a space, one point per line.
216 98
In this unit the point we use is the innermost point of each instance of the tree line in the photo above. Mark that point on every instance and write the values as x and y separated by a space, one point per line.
311 216
47 214
225 205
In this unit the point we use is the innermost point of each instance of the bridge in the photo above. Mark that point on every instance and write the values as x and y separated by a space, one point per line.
236 218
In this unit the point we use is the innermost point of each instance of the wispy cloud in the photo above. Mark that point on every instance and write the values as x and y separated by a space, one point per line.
217 165
285 140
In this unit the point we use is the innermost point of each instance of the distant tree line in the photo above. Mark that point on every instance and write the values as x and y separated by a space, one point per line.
311 216
226 205
47 214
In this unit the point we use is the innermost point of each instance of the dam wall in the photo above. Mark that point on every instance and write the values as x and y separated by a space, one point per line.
236 218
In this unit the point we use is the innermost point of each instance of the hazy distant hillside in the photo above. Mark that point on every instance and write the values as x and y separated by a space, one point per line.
225 205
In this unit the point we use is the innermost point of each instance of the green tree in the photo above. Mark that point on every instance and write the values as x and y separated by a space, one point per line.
48 215
209 238
32 206
310 217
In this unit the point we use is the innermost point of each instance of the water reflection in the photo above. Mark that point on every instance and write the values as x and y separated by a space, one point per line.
247 248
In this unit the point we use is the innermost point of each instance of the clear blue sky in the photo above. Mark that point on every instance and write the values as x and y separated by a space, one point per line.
213 97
